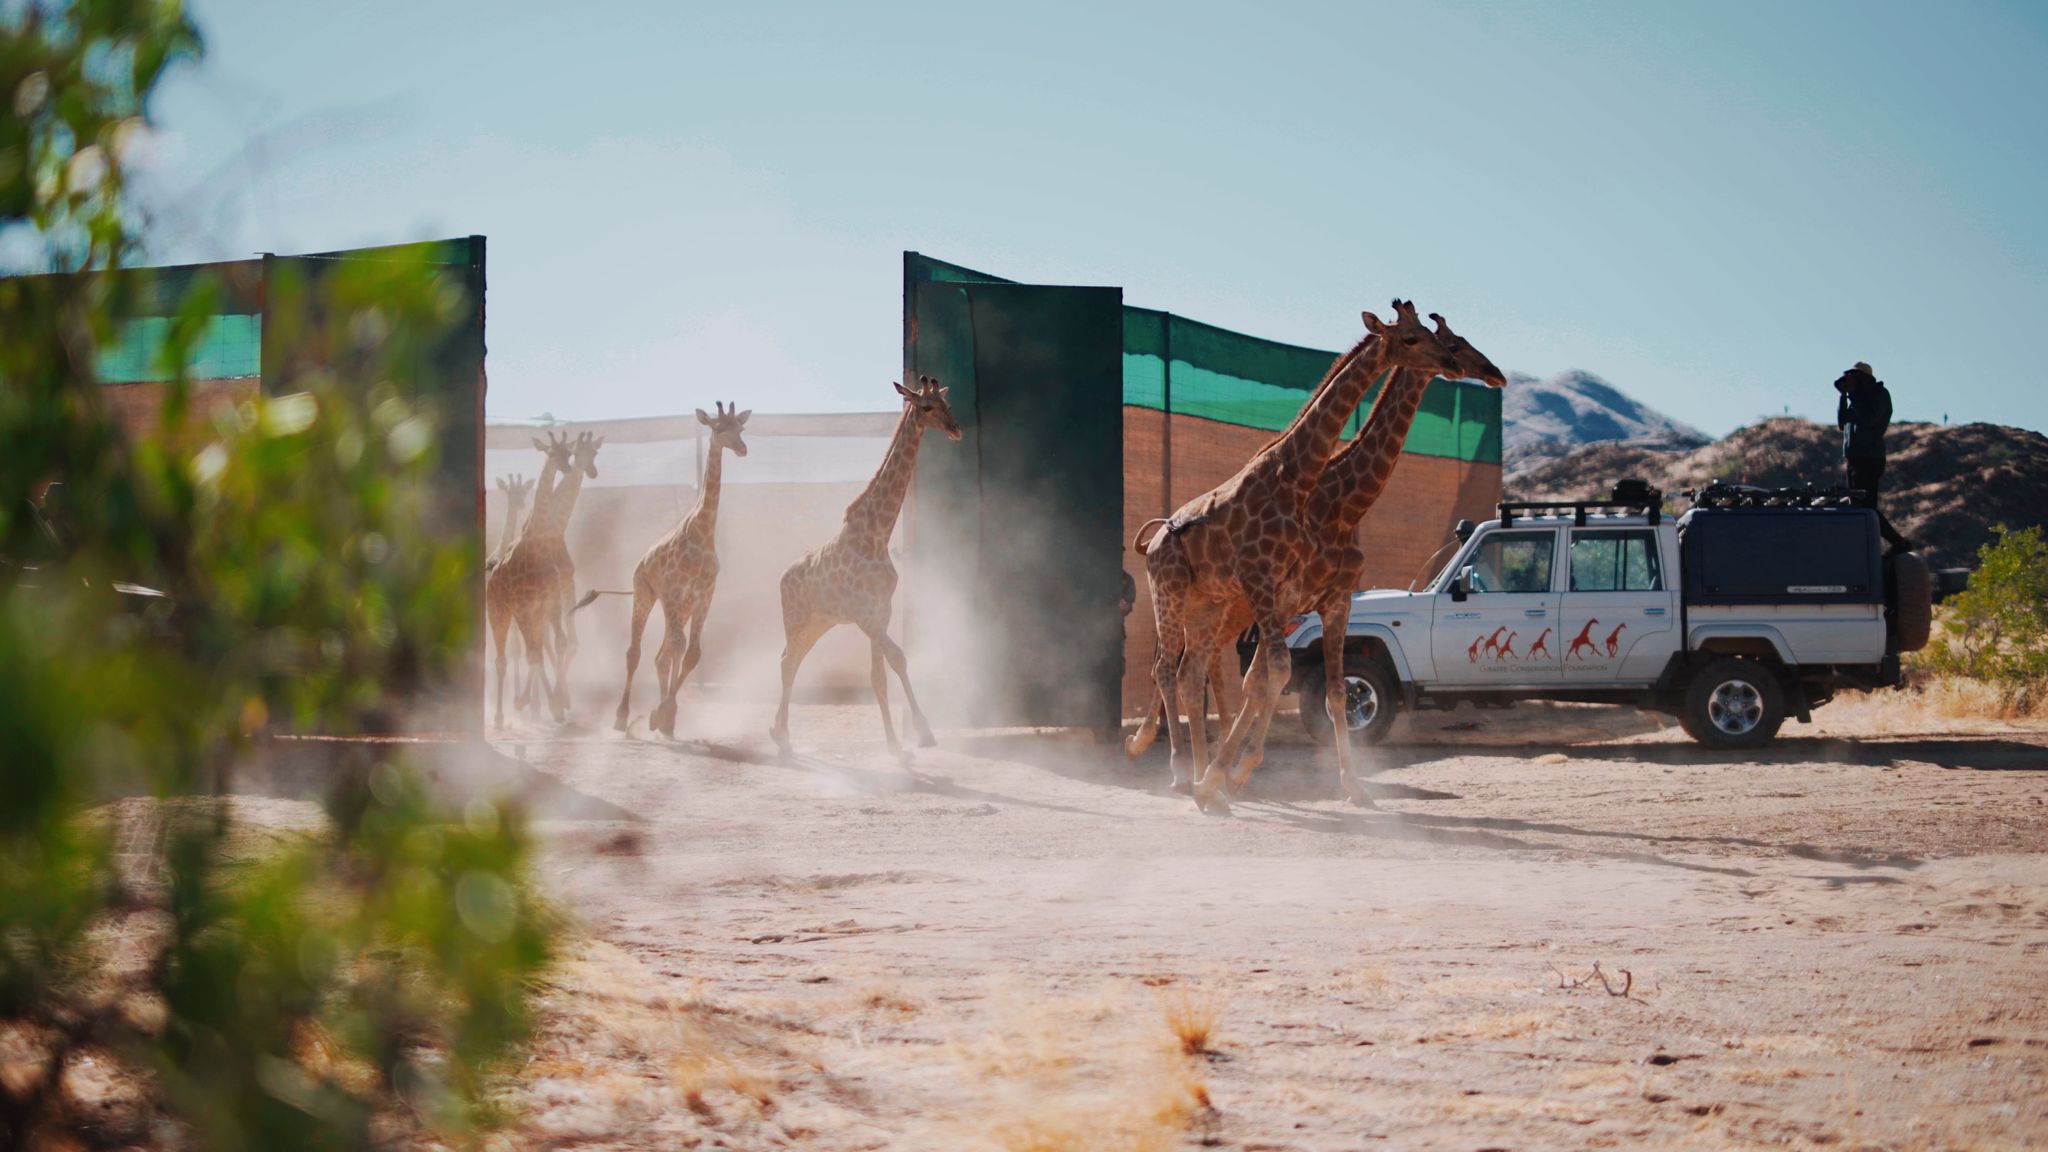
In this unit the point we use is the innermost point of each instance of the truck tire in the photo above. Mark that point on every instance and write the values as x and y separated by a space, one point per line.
1733 703
1913 594
1371 694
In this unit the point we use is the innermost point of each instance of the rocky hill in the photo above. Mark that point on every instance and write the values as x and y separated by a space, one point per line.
1946 486
1545 419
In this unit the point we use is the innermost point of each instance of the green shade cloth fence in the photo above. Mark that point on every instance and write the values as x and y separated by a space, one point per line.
229 346
1174 364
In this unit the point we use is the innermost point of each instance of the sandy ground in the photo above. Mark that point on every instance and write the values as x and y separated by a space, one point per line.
1014 941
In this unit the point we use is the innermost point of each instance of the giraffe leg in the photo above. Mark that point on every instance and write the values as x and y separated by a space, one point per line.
1194 690
1336 616
1166 662
499 626
643 603
878 678
523 668
521 660
1262 689
923 727
666 662
681 666
1255 746
533 629
1148 730
1202 629
799 639
565 633
1222 683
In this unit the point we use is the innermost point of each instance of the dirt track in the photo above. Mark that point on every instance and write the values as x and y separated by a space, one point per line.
1840 943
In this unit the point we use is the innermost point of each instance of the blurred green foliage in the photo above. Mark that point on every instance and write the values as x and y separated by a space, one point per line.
1997 629
348 989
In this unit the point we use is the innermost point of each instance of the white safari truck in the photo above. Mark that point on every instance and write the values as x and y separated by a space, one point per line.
1751 606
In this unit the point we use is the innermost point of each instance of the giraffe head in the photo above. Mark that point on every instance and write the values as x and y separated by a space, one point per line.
725 427
516 488
583 454
928 400
1468 363
557 450
1406 342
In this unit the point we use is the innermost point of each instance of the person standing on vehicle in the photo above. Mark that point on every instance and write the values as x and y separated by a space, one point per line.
1863 413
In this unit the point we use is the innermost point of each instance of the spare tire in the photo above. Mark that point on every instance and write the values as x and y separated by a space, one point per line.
1913 601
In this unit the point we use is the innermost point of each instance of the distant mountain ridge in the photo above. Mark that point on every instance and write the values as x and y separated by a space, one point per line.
1546 418
1947 487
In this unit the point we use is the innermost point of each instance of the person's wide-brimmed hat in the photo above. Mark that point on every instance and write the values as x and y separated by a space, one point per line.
1862 368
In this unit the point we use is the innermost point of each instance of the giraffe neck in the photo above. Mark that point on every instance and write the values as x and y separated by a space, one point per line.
704 521
543 493
552 523
1360 470
872 515
1304 449
512 510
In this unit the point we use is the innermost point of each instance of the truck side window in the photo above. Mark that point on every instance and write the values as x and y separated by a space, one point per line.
1513 562
1615 562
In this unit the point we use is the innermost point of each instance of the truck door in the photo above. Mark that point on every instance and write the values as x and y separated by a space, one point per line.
1619 617
1505 632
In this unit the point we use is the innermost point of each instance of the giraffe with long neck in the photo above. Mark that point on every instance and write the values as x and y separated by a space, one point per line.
850 580
534 584
1248 539
518 490
1348 488
680 572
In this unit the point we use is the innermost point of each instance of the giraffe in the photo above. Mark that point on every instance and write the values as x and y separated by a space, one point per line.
679 573
1348 488
517 489
1493 643
1507 647
1247 539
1583 640
534 583
557 458
1614 640
850 580
1542 645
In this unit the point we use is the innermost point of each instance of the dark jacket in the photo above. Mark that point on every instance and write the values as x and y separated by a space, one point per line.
1863 414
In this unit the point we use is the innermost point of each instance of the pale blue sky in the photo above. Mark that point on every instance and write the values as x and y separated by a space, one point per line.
1715 206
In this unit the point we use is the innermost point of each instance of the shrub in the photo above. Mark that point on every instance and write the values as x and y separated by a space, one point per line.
352 988
1996 630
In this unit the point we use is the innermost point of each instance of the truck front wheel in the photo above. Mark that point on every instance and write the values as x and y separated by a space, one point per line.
1733 703
1369 701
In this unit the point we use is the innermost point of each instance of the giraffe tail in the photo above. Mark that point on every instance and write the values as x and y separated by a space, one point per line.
1138 541
593 594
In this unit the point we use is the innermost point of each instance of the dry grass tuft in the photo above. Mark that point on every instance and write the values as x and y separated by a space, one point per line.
1961 699
1089 1074
1191 1017
694 1073
1932 699
885 996
1153 1119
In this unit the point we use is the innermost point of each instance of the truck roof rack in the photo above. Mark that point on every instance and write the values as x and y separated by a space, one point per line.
1719 495
1625 501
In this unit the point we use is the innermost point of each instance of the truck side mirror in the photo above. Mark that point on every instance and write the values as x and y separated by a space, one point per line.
1461 584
